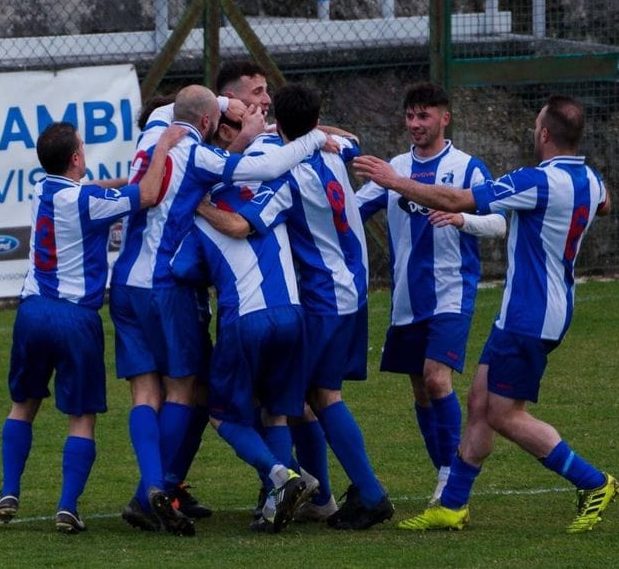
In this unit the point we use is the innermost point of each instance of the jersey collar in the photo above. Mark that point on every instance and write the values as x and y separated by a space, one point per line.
425 159
192 131
575 160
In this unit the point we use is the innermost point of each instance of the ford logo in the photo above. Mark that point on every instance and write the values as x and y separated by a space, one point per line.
8 243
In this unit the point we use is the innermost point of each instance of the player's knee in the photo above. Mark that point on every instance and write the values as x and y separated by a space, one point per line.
438 385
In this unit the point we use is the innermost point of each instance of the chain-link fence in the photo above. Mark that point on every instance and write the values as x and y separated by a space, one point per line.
499 58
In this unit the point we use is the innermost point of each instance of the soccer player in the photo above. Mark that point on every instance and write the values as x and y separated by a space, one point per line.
317 203
156 114
260 341
156 319
435 269
552 206
246 81
58 327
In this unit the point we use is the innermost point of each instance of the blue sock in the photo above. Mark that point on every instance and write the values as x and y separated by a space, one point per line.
248 446
346 441
16 444
144 433
190 445
258 425
459 485
77 459
448 424
174 421
279 441
426 420
565 462
311 447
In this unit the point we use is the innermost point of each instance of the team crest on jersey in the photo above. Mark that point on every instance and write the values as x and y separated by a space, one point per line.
112 194
412 207
448 179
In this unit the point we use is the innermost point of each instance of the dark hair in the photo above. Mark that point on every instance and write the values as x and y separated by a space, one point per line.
296 109
565 121
223 119
234 70
55 147
150 105
425 94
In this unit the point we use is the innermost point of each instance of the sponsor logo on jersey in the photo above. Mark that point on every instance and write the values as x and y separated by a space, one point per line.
412 207
8 243
421 175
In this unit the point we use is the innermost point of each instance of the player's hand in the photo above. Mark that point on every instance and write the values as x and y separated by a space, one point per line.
376 170
331 145
444 218
171 136
236 110
253 122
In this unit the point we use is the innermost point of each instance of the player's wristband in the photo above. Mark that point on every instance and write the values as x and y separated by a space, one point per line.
223 103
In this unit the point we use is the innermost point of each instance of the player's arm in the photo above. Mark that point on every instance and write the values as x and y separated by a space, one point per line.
227 222
492 225
605 207
336 131
150 184
434 196
278 161
111 182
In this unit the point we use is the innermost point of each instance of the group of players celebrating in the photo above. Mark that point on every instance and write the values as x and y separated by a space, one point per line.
266 216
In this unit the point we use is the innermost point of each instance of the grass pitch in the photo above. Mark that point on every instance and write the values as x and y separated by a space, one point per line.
519 509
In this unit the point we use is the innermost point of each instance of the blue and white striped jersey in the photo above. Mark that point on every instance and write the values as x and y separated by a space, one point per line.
193 168
249 274
68 244
434 270
317 203
554 204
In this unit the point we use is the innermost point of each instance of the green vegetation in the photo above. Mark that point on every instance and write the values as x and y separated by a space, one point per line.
519 509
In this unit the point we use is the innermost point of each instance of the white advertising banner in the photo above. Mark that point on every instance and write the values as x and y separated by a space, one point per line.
102 102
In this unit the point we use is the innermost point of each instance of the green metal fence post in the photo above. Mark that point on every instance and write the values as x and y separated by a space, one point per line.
440 42
212 19
253 43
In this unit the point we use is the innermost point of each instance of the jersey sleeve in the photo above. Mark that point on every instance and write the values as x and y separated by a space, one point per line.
270 205
280 159
370 198
518 190
212 164
106 205
349 148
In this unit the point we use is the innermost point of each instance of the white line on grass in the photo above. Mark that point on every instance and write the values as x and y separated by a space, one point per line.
522 492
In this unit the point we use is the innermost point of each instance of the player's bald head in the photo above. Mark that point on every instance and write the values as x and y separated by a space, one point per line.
193 102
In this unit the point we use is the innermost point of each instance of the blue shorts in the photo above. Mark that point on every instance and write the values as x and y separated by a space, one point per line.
516 363
52 334
157 330
259 356
337 348
441 338
204 317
